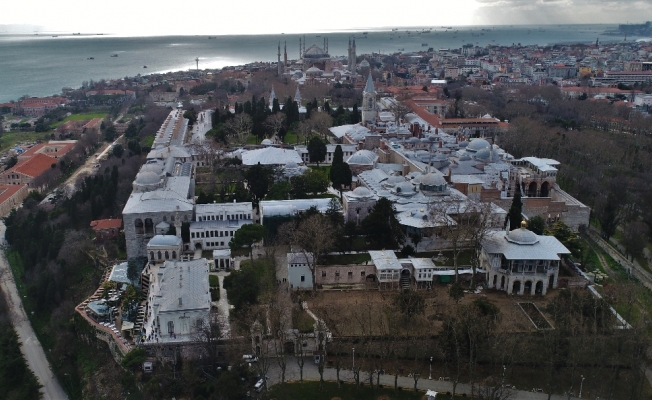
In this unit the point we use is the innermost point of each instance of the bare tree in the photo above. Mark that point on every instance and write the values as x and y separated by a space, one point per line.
320 122
275 122
314 235
239 128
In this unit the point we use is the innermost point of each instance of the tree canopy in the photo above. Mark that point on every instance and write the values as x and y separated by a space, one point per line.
247 235
382 227
316 150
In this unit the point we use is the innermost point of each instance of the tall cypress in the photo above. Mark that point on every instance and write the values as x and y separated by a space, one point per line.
515 214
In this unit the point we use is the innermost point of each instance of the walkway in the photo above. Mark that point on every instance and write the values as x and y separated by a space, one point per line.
31 348
311 373
223 307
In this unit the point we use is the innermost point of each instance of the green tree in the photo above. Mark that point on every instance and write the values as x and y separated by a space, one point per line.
279 191
316 150
340 172
566 236
537 225
118 150
132 130
109 133
515 214
316 181
258 177
382 227
246 236
134 359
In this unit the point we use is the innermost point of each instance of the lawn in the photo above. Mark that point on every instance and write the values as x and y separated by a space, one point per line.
290 138
324 169
10 139
348 391
80 117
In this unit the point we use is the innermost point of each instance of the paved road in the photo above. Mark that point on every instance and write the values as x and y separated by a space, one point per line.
31 348
311 373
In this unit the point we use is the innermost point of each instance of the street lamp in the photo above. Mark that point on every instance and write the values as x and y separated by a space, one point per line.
430 375
353 359
581 384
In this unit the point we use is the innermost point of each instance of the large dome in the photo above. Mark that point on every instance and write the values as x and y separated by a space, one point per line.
362 157
433 179
291 165
147 178
477 145
522 236
393 180
266 142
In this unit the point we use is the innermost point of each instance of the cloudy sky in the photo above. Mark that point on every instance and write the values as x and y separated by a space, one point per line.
163 17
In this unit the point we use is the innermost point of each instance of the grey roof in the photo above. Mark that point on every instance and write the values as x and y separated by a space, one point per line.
164 240
385 259
299 258
369 87
547 248
99 307
185 280
291 207
172 197
270 156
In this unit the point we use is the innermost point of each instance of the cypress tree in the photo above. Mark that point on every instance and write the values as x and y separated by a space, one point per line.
514 216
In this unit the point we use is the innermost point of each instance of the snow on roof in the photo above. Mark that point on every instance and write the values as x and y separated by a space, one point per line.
270 156
385 259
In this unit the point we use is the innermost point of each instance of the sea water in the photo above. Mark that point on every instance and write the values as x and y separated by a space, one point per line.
41 65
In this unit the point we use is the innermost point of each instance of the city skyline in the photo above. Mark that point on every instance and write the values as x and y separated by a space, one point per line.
208 18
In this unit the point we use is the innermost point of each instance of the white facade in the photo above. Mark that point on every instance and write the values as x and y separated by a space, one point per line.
215 224
299 273
521 262
388 267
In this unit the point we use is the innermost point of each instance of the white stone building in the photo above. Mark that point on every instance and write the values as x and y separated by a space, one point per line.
521 262
215 224
179 302
299 273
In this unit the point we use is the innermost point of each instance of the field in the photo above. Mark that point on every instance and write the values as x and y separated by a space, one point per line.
351 311
10 139
79 117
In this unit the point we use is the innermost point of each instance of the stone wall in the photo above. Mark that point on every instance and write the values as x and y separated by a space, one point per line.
353 274
137 243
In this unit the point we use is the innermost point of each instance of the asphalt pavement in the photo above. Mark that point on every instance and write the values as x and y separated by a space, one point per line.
31 348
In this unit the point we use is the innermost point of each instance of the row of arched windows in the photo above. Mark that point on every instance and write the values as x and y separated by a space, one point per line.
160 255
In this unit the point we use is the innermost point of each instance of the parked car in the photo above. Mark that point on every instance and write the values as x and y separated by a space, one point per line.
259 386
250 358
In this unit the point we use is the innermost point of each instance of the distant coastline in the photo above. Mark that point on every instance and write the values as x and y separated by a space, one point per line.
41 65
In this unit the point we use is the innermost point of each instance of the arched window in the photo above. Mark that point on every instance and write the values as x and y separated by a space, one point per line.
138 224
167 255
165 218
151 255
174 254
149 226
159 254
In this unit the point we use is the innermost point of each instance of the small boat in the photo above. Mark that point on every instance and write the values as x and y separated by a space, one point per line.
91 58
211 37
114 55
55 36
365 33
144 66
424 44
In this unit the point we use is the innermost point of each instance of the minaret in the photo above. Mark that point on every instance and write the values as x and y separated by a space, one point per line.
369 102
285 56
297 96
300 52
280 71
272 96
177 224
349 55
353 58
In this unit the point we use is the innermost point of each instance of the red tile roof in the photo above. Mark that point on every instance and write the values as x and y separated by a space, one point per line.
110 223
6 191
35 166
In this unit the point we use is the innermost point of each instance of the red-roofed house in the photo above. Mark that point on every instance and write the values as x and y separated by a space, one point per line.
106 228
24 172
53 149
10 197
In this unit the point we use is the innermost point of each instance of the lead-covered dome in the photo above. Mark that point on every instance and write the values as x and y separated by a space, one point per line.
477 145
522 236
147 178
362 157
433 179
361 192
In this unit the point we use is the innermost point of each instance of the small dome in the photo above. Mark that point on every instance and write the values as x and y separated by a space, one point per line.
147 178
432 138
362 157
361 192
404 188
266 142
291 165
522 236
413 139
433 179
463 144
364 64
484 155
477 145
425 140
393 180
313 70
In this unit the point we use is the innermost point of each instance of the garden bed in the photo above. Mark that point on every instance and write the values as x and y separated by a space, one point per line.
535 316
